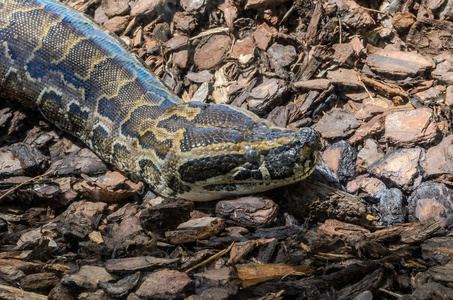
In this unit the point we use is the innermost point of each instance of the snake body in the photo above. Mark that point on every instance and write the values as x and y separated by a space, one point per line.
81 78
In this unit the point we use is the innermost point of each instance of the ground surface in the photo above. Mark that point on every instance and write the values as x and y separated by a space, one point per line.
373 222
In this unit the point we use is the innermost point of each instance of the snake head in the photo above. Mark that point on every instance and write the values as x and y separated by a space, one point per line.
286 159
226 151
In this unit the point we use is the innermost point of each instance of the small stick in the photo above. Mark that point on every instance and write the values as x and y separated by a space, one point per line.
25 182
224 251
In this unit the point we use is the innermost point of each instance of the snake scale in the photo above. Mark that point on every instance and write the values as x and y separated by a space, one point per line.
80 77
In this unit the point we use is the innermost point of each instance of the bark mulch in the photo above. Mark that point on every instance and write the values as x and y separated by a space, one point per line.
374 221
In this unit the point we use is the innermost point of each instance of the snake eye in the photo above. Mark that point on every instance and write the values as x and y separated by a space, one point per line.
264 152
252 156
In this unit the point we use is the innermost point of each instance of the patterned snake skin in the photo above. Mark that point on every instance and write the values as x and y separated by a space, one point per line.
79 76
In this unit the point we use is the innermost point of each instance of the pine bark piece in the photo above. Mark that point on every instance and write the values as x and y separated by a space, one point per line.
442 273
131 264
430 199
411 127
164 283
432 290
313 84
146 7
341 157
195 229
439 159
262 36
115 7
20 159
368 155
375 125
87 278
212 51
14 269
434 246
370 282
399 63
130 236
337 123
80 218
249 212
12 293
323 202
110 187
253 4
39 281
122 286
251 274
430 36
400 168
422 231
348 232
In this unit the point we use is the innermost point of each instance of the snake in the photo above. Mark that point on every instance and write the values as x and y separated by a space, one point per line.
84 80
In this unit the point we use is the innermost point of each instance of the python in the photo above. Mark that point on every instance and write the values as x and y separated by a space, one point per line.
83 80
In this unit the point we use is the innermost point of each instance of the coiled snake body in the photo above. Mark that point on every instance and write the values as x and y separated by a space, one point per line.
79 76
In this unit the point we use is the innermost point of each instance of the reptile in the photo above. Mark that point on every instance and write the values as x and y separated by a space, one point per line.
82 79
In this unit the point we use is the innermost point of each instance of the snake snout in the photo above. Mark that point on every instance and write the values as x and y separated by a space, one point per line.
309 137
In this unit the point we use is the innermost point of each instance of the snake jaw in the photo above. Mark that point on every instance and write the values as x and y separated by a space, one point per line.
252 168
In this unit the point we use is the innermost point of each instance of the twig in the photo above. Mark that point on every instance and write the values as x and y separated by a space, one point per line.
25 182
384 88
210 31
288 13
396 295
373 10
364 86
130 25
224 251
